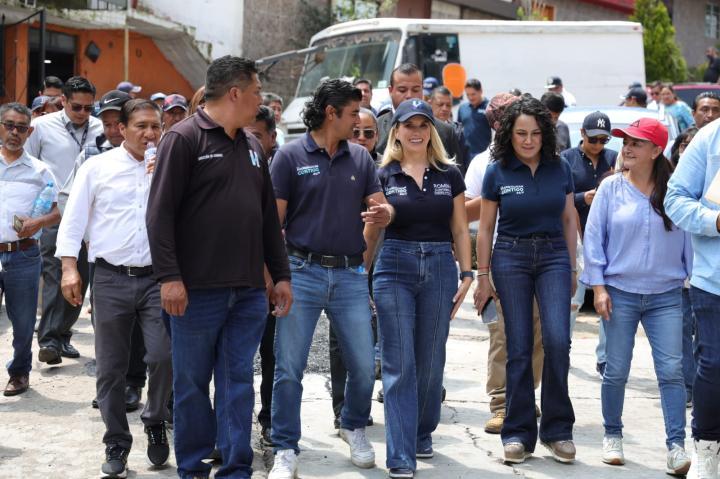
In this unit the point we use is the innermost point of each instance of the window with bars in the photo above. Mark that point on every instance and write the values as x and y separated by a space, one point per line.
712 20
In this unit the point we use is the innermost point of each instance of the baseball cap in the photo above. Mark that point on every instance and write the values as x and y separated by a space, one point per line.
635 84
645 129
638 93
171 101
158 96
128 87
429 84
553 82
597 123
38 102
113 100
411 108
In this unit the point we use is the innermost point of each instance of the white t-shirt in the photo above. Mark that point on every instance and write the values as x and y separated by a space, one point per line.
476 173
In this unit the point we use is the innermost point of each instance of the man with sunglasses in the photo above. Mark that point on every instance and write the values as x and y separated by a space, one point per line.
57 140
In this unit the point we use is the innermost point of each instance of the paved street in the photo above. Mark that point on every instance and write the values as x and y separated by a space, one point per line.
52 432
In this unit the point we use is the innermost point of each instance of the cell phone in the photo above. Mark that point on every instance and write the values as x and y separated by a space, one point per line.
489 312
17 223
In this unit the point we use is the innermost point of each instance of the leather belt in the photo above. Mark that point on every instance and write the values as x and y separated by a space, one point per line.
20 245
132 271
327 261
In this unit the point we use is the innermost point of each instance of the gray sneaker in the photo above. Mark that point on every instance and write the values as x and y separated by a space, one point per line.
678 462
562 451
361 451
515 452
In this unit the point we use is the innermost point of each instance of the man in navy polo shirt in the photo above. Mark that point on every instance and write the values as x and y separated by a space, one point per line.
472 116
321 182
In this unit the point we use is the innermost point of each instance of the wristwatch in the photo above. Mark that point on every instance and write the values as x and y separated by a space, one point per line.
467 274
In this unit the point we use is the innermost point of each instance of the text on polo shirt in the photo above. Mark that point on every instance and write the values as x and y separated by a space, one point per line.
396 191
308 170
210 156
512 189
442 189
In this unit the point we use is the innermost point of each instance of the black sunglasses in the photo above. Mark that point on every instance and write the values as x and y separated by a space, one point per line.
368 133
593 140
76 108
9 126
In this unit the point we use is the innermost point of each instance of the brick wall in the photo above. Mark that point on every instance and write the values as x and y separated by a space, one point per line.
569 10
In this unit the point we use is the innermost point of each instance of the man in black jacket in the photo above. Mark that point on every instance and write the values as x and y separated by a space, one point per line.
406 82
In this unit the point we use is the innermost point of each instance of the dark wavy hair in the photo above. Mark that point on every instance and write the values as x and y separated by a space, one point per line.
502 149
662 169
687 134
336 93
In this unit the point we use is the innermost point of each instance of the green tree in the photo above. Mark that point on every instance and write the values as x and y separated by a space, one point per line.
663 60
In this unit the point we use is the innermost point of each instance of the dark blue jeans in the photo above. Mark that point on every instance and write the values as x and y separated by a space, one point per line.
523 268
706 390
689 365
413 285
219 333
19 278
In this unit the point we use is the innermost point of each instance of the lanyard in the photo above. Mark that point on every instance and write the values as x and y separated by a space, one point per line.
71 130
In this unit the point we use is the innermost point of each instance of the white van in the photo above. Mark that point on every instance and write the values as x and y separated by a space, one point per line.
596 60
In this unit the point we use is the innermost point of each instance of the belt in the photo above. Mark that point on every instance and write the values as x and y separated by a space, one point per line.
327 261
133 271
19 245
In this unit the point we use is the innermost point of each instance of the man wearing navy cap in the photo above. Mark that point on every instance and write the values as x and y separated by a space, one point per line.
429 84
175 109
636 97
555 84
129 88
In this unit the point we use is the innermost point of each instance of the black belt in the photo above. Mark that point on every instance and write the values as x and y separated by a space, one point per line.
327 261
133 271
20 245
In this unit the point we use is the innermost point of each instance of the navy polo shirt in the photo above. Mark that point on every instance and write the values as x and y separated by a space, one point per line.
528 204
421 214
476 127
585 177
325 195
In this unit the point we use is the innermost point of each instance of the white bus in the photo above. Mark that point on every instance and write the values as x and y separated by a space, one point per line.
596 60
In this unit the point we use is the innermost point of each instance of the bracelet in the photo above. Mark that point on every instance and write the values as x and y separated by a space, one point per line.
483 267
482 274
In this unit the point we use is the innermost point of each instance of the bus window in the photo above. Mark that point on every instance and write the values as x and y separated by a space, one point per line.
431 52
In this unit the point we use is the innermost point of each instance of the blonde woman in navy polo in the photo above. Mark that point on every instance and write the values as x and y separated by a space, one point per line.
534 255
415 281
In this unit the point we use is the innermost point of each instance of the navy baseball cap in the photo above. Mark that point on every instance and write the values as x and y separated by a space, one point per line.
175 100
429 84
39 102
638 93
597 123
411 108
553 82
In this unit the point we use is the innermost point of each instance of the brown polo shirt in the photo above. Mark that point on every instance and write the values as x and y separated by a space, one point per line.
212 218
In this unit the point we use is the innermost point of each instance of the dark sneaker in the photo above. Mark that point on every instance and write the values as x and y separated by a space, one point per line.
400 473
49 355
94 403
380 396
157 448
267 438
115 461
132 398
425 453
68 351
600 368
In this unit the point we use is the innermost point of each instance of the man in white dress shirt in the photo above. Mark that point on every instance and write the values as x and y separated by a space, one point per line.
107 205
57 140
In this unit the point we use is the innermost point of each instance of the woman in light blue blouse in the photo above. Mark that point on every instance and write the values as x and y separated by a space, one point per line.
636 261
676 107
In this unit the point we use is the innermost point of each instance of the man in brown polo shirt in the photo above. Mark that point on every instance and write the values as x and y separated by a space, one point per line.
213 223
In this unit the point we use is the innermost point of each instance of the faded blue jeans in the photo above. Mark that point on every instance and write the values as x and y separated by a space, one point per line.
343 294
20 279
219 333
661 318
413 287
521 269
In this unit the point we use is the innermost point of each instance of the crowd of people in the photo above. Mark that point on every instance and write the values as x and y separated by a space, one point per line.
204 234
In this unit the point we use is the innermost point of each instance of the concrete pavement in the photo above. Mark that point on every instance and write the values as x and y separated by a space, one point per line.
52 432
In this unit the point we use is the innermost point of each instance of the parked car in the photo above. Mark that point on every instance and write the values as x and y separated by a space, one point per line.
688 91
620 117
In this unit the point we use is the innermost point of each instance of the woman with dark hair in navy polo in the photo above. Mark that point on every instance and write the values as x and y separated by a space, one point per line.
534 254
415 281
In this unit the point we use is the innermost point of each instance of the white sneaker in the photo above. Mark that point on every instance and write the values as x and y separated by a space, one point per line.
613 451
678 462
285 466
704 460
361 451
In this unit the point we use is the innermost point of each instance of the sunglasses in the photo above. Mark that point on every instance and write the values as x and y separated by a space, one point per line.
77 108
12 126
368 133
594 140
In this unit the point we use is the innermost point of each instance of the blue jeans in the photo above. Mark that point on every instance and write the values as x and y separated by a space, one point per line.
689 364
413 285
521 269
343 294
219 333
600 350
661 317
706 389
20 279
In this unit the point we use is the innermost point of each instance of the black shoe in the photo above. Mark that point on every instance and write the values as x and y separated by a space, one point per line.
400 473
266 438
444 393
378 369
95 404
380 396
370 421
49 355
115 461
68 351
132 398
215 456
600 368
157 449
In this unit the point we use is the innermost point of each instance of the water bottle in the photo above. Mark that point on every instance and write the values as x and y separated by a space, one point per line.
44 201
150 152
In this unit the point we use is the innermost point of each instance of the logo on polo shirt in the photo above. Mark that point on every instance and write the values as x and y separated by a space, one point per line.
396 191
512 190
254 158
308 170
442 189
210 156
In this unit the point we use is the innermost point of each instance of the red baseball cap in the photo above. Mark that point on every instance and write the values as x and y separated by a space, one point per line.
645 129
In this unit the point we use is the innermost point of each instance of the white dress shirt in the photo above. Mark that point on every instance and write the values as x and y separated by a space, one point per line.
107 205
20 184
53 143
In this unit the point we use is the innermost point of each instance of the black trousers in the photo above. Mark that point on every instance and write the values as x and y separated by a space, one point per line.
267 368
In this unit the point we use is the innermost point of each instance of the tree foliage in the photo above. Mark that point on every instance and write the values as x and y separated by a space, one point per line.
663 60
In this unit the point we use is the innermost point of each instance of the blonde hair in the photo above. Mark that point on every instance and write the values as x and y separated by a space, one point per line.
437 156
